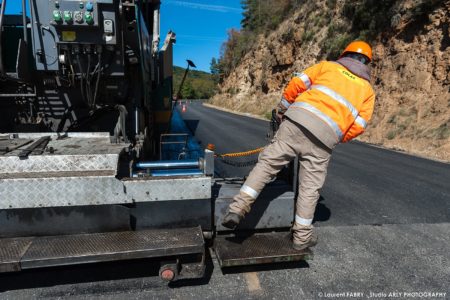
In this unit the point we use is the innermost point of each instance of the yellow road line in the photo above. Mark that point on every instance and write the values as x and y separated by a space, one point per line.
252 280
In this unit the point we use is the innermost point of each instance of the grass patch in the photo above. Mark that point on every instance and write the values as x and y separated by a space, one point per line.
288 35
392 119
391 135
334 43
308 36
443 132
232 91
402 112
331 3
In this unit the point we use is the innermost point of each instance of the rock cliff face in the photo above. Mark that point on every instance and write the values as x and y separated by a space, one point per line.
411 72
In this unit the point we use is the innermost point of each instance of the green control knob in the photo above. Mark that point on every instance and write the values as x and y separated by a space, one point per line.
57 16
68 16
88 17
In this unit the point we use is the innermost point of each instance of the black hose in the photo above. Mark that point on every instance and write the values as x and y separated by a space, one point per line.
24 21
98 77
88 81
81 77
2 13
69 57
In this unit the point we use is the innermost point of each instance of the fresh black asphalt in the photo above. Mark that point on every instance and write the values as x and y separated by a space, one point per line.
365 184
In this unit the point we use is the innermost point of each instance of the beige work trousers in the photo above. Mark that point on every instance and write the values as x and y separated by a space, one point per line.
290 141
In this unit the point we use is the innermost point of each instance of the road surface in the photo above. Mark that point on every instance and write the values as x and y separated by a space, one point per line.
383 225
365 184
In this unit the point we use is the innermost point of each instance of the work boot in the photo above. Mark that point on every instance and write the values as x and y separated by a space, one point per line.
231 220
309 243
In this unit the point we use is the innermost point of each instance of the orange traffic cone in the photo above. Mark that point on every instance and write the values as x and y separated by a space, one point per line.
183 108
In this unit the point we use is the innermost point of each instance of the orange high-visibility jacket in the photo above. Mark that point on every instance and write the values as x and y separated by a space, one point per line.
334 95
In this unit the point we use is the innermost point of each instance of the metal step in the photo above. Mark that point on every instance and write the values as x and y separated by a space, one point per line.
273 209
49 251
11 251
263 248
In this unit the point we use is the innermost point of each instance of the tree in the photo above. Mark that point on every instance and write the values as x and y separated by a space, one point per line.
188 91
259 16
215 70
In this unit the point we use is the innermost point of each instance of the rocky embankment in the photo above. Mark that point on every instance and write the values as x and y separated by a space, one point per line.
411 72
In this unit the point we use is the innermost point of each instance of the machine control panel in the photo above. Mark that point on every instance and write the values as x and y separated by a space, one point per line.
75 12
86 24
70 18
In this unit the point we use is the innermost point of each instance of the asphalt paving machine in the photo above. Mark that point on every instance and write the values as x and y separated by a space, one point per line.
96 165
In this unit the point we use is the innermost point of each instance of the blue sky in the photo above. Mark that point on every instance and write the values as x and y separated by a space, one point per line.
200 25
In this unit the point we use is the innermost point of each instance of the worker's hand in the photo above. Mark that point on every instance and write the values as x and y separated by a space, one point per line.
279 116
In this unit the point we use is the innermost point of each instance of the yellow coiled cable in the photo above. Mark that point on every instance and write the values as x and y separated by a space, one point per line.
239 154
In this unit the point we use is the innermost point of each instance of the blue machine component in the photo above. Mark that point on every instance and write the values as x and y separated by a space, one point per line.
177 172
180 156
169 164
190 150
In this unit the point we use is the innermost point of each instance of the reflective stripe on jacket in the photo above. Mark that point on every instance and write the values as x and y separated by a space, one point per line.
329 93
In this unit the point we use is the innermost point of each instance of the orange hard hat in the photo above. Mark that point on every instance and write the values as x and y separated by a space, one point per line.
359 47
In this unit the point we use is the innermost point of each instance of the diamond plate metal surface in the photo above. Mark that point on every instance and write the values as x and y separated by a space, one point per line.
95 188
60 191
34 135
69 154
59 163
169 189
257 249
11 250
81 171
87 248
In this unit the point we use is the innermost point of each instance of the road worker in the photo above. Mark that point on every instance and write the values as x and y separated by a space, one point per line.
328 103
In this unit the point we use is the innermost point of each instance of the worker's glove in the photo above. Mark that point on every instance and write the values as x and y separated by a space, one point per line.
279 116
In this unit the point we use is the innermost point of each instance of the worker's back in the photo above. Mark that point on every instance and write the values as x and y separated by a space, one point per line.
337 92
332 94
